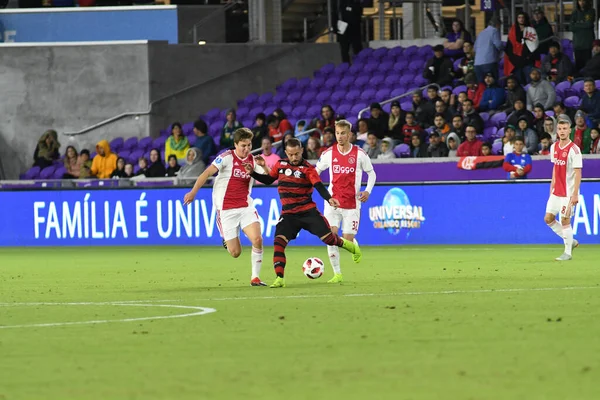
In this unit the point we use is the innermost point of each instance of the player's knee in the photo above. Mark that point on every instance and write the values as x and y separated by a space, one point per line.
548 219
565 221
257 242
235 252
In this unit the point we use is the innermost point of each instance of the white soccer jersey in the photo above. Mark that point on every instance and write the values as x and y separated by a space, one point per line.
232 185
565 159
345 173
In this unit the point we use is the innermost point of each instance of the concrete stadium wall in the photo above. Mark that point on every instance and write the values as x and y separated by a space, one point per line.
67 87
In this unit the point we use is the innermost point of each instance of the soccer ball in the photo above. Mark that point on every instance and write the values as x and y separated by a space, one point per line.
313 268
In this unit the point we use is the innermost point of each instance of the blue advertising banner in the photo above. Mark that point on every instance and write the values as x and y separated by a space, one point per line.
89 24
431 214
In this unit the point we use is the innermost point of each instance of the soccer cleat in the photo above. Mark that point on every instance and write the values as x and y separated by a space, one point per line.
575 244
279 282
357 254
564 257
257 282
225 244
337 278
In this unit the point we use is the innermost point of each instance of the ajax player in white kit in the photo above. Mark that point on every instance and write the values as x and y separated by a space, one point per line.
231 197
564 189
346 164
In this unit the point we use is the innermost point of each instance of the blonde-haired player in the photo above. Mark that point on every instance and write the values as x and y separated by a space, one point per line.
564 189
346 164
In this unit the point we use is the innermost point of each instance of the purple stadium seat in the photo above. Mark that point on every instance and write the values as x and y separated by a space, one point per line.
382 94
361 81
353 95
341 68
400 66
377 80
459 89
368 95
47 172
303 83
550 113
379 53
484 116
406 80
410 52
299 112
165 132
577 88
385 66
188 128
346 82
293 97
251 113
344 109
191 139
248 123
130 143
92 155
313 111
406 106
597 82
265 98
572 102
402 150
309 96
396 51
358 107
212 113
125 153
497 148
425 51
215 128
32 173
116 144
331 83
146 142
135 155
498 119
562 87
279 98
416 66
289 84
398 92
338 95
286 109
323 97
489 132
420 81
59 172
355 69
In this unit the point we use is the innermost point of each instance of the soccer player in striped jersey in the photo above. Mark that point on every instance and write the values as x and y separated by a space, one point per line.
564 189
297 178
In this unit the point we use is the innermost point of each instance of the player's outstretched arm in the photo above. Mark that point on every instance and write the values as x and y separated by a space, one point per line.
371 179
208 172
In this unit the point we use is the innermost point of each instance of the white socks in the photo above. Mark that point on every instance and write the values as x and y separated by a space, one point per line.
555 226
334 258
567 234
257 255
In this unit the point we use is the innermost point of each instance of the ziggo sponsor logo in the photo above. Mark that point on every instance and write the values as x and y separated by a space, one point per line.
343 170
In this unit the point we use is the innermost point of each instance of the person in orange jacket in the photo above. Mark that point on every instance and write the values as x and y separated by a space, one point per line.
105 161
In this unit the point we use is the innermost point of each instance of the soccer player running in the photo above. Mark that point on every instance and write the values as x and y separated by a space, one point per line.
346 164
297 178
564 189
231 197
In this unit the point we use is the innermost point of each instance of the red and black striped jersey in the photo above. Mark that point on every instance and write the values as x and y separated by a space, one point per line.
296 184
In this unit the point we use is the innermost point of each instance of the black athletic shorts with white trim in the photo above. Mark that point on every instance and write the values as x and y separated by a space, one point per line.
290 225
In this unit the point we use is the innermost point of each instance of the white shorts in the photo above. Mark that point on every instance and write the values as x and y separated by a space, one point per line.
349 217
231 221
560 205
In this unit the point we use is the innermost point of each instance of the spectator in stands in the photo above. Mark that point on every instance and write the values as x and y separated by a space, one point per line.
440 125
327 117
143 166
194 165
354 140
557 67
472 117
105 161
458 127
46 150
313 149
517 164
277 128
378 123
173 167
429 107
441 108
518 112
119 172
267 152
518 59
411 127
488 47
475 92
595 141
462 96
419 109
299 132
387 152
157 167
590 102
328 138
550 129
514 91
446 96
592 67
285 125
71 163
508 139
372 146
486 149
560 109
129 169
396 121
545 143
204 143
439 68
540 91
260 131
363 129
453 44
350 12
418 148
472 146
85 164
529 135
230 126
467 63
580 133
177 144
539 119
453 142
436 148
493 96
543 29
281 149
583 19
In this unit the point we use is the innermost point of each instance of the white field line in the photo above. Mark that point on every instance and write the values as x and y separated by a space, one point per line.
202 311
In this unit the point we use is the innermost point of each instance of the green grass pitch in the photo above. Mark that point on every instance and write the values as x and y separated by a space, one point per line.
460 322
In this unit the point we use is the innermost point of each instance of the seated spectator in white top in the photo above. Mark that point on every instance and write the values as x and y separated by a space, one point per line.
387 152
363 129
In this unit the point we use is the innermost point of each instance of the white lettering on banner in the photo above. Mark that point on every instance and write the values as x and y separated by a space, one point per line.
273 216
164 233
106 221
582 216
396 212
71 221
257 203
52 222
209 224
183 219
139 218
86 216
119 221
197 219
343 170
37 220
95 233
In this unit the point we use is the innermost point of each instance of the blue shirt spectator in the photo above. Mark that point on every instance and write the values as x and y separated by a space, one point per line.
517 164
204 142
487 50
590 102
493 96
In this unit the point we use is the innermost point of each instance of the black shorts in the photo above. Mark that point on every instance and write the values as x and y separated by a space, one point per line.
290 225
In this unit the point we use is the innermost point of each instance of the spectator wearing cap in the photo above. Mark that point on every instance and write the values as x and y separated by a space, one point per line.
418 147
439 68
557 67
583 19
260 130
396 121
518 59
378 122
472 117
518 112
540 91
590 102
205 143
514 92
592 67
539 119
580 133
488 47
474 91
493 96
508 140
453 44
472 146
436 148
543 29
517 164
387 152
528 134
